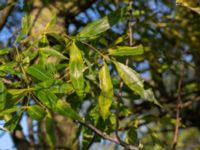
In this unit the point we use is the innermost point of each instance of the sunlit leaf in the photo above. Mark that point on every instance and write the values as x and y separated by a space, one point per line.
64 109
52 52
106 96
5 51
26 23
76 69
46 97
8 68
52 22
9 111
25 27
36 112
63 88
133 80
14 96
55 86
94 29
39 73
191 5
126 51
3 94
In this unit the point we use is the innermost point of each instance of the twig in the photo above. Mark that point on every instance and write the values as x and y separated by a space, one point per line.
178 109
105 136
30 130
189 103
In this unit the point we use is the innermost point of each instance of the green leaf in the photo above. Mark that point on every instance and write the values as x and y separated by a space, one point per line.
46 97
50 131
39 73
36 112
43 42
63 88
126 51
25 27
94 29
8 68
76 69
14 96
87 136
26 23
131 136
52 52
133 80
52 22
2 87
5 51
106 96
64 109
55 86
9 111
3 94
13 122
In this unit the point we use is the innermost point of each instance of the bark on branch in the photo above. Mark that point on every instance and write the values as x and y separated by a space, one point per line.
4 14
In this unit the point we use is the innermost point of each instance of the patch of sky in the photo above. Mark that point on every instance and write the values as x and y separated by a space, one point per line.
136 36
143 69
188 57
71 28
92 15
118 28
5 35
6 142
24 124
143 65
82 17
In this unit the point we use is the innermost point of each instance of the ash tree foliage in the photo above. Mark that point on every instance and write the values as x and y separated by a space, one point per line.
94 73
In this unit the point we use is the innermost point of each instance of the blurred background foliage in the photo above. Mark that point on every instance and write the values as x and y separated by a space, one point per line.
169 33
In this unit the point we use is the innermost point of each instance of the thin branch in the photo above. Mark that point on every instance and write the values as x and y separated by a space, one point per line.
105 136
193 9
189 103
30 130
178 109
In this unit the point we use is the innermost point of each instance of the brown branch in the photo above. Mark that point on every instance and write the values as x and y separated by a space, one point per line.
105 136
30 130
189 103
78 7
178 109
19 140
4 14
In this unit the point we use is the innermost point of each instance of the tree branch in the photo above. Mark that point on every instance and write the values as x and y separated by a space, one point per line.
178 108
105 136
4 14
